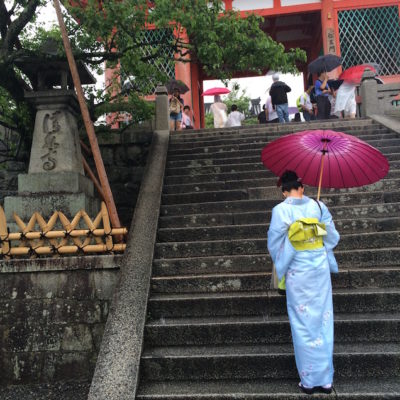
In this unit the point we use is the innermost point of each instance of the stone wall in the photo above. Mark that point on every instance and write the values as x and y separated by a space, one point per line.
124 155
52 316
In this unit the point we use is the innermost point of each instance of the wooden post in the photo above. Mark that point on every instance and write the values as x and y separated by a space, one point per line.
101 172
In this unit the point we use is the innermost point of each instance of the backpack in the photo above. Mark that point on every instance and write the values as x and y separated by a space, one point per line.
174 106
298 103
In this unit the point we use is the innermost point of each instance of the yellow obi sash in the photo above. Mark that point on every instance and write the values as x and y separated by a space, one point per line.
307 234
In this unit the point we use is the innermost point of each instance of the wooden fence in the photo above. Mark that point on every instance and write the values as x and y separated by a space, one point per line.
59 236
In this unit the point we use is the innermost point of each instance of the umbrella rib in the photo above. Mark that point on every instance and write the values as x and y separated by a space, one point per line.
370 152
362 170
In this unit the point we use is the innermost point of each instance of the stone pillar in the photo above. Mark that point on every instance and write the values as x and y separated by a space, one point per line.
162 109
369 94
55 179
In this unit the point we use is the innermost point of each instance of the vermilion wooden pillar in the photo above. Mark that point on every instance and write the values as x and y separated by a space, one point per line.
328 27
196 98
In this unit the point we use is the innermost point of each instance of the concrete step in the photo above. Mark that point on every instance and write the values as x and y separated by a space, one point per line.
234 142
379 211
266 303
270 183
232 168
365 258
258 246
258 231
257 144
259 281
349 328
278 128
267 389
358 360
233 205
368 134
239 176
243 156
275 128
271 192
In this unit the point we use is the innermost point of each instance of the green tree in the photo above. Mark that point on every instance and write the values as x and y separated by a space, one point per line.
111 33
238 96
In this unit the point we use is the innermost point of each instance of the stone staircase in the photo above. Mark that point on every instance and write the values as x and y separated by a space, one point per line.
214 329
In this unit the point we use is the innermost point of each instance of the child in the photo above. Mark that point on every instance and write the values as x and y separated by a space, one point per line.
187 120
235 118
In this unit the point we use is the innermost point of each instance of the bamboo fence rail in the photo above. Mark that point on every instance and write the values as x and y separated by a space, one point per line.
50 240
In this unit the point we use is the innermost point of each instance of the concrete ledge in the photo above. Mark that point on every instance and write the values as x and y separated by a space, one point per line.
390 122
60 264
62 182
117 369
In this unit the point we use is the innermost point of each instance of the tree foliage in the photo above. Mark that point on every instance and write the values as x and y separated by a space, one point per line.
111 33
239 97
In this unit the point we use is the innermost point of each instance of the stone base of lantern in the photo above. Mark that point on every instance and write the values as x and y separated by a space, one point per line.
68 192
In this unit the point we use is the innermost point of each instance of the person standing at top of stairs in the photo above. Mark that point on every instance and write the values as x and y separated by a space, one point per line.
301 239
278 93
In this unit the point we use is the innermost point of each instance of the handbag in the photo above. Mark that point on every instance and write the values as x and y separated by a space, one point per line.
174 106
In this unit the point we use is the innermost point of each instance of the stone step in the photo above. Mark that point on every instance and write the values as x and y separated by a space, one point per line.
271 192
244 156
380 211
365 258
257 246
278 128
266 303
230 168
259 231
358 360
234 206
266 389
239 176
261 138
367 134
259 281
385 183
258 144
349 328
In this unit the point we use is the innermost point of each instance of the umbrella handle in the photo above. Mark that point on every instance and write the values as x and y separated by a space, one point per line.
321 169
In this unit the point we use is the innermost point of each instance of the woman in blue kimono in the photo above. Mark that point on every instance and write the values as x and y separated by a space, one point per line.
301 239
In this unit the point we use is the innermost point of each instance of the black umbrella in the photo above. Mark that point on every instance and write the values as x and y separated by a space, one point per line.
175 84
324 63
335 83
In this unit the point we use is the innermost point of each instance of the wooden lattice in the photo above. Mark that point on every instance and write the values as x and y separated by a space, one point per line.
69 240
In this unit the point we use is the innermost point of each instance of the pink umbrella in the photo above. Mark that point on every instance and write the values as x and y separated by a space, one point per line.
216 91
326 159
355 73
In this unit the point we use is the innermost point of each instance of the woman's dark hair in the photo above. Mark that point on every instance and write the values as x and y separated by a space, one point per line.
233 107
289 181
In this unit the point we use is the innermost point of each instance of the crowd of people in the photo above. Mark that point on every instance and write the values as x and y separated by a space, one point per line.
321 100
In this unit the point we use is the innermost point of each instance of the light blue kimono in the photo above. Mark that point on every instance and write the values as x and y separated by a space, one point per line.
308 288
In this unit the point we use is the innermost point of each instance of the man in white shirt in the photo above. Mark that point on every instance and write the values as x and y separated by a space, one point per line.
272 114
305 105
235 118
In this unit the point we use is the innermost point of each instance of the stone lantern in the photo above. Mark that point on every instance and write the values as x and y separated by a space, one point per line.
55 178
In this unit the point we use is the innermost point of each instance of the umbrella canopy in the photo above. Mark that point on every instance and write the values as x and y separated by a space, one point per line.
176 84
354 74
326 158
216 91
324 63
